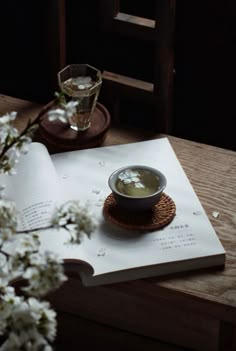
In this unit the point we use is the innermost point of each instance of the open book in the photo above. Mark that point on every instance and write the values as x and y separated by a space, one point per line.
113 254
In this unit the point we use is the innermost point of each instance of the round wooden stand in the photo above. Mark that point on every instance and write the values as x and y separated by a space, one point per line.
59 136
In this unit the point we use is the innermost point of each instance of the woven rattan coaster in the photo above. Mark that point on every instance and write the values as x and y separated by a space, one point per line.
160 215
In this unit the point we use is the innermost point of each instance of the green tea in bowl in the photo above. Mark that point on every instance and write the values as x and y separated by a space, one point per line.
138 182
137 187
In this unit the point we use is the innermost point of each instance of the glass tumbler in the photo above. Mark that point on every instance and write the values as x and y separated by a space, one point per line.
81 83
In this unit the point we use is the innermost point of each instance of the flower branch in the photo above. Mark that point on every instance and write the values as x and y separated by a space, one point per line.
27 322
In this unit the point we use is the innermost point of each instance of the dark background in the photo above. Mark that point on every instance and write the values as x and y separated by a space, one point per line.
204 82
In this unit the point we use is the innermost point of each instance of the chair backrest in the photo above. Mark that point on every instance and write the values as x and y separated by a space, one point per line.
135 52
139 87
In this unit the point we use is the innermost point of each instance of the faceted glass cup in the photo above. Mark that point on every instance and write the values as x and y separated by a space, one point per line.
81 83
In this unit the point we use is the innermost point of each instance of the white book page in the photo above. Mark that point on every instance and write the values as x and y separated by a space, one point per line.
34 188
84 175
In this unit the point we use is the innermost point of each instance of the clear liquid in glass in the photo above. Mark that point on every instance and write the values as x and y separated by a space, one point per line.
84 90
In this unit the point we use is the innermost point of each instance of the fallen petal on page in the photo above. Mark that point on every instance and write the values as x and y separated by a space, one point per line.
197 213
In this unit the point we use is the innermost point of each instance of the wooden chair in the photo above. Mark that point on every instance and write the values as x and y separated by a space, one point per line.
155 94
135 54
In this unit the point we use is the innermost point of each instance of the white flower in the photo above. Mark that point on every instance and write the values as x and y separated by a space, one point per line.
130 176
76 219
4 281
8 220
7 134
28 243
62 114
9 117
23 144
82 80
44 273
5 273
45 317
5 278
2 189
70 108
30 340
31 323
9 161
14 145
7 131
57 115
10 297
27 246
6 301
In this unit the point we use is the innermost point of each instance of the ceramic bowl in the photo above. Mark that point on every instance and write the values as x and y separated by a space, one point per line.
137 187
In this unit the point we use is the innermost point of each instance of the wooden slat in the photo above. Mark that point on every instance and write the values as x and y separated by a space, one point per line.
112 20
134 30
140 21
128 81
115 86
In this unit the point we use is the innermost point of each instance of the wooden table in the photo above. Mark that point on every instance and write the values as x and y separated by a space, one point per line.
194 309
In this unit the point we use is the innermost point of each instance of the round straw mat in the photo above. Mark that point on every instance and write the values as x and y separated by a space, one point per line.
160 215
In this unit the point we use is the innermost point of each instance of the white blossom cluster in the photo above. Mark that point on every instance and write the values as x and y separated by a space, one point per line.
76 219
26 322
12 144
43 271
29 322
8 221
